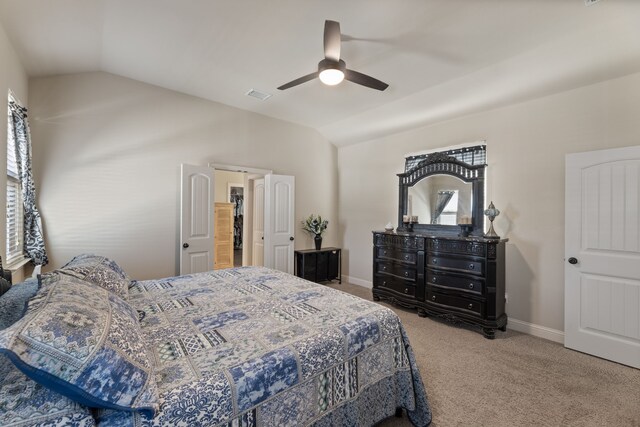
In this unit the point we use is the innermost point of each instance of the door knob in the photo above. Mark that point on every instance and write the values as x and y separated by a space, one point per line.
291 238
572 260
185 245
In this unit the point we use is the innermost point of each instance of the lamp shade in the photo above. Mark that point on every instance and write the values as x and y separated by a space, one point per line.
331 77
331 72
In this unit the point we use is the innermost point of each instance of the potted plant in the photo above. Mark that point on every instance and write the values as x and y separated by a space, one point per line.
316 226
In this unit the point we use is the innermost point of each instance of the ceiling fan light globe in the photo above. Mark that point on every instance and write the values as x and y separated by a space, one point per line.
331 76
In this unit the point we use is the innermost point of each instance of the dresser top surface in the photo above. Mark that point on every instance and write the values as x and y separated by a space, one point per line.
309 251
440 236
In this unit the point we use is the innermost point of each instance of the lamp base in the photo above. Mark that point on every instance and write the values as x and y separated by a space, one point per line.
491 234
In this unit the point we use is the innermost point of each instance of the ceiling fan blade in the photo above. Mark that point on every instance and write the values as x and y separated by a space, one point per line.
364 80
298 81
332 40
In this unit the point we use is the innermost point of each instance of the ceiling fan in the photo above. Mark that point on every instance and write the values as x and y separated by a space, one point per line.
332 70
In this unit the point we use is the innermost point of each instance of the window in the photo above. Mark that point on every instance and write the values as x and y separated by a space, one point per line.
24 227
15 215
449 214
475 155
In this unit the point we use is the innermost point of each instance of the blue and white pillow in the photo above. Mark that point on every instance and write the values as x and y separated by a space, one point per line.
85 343
101 271
24 402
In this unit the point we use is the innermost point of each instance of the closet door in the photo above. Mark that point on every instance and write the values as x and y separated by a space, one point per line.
279 222
196 219
602 250
257 249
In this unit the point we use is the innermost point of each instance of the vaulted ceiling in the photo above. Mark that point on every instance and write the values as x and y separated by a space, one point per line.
441 58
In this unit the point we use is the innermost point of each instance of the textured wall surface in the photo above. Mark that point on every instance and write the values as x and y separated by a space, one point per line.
107 154
526 147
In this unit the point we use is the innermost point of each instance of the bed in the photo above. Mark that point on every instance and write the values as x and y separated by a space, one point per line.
246 346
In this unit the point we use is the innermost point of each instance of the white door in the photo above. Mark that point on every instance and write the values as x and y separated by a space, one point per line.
196 219
279 222
602 251
257 247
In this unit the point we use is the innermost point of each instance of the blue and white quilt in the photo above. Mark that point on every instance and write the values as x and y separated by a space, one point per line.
252 346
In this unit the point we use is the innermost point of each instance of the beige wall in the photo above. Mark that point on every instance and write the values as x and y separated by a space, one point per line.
526 147
12 76
107 152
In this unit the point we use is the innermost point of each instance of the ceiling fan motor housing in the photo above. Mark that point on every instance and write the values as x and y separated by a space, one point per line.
329 64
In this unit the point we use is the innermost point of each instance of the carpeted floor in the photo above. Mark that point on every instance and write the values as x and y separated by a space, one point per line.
514 380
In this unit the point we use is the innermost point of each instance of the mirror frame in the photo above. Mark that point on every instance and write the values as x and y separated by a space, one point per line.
442 164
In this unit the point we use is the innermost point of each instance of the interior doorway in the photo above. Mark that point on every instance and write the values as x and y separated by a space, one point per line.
199 223
235 184
230 189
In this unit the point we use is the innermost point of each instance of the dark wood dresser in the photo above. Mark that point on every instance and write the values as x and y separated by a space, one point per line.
457 278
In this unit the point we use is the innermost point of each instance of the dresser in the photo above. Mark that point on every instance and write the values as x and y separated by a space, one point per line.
460 279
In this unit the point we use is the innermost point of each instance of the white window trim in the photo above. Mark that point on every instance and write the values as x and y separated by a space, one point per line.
16 264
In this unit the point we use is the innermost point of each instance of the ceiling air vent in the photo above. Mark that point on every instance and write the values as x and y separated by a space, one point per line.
257 94
590 2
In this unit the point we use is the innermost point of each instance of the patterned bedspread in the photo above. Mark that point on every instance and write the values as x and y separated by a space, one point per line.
257 347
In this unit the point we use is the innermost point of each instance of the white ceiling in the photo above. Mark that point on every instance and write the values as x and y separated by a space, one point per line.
441 58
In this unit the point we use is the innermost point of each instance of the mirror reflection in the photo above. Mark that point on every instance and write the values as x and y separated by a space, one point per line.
441 199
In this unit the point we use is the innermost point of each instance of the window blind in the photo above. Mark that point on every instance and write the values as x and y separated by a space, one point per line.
476 155
14 221
15 216
12 164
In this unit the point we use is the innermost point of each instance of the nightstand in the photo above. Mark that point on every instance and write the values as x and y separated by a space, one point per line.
322 265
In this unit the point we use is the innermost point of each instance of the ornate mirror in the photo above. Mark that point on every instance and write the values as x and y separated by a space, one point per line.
439 191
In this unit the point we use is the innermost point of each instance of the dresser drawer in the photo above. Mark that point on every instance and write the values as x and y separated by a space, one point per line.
397 285
469 266
457 247
407 273
467 305
399 241
397 255
451 281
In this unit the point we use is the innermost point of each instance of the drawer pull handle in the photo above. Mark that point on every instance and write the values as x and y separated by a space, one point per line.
471 266
433 297
384 252
470 306
434 280
470 285
384 267
384 282
406 257
435 261
406 274
406 290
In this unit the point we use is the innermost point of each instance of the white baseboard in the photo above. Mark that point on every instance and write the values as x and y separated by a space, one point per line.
514 324
356 281
536 330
